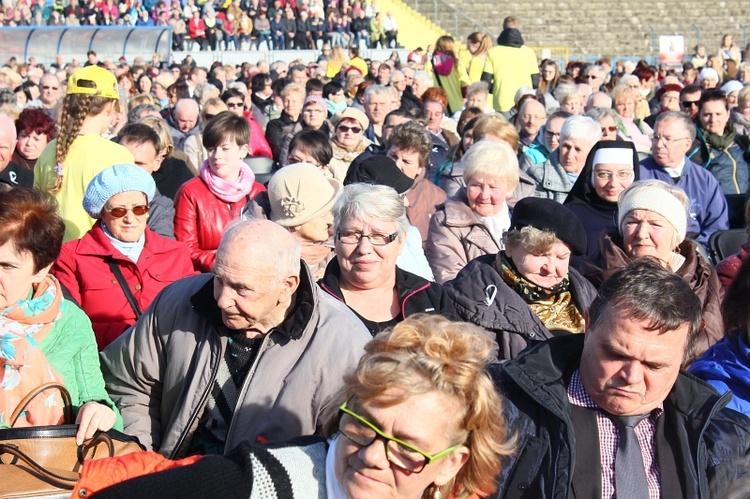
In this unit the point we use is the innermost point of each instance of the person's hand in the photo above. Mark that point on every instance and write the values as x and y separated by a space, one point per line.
93 416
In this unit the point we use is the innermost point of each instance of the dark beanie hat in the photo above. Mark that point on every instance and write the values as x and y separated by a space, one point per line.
549 215
377 169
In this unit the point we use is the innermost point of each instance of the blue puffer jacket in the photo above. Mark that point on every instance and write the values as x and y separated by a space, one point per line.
728 165
726 366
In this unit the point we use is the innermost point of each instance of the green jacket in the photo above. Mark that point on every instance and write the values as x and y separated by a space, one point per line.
71 349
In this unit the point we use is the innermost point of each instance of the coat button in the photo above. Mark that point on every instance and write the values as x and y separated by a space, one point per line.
114 281
137 287
158 275
82 493
523 486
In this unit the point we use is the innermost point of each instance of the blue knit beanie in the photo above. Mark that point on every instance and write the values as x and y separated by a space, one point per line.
114 180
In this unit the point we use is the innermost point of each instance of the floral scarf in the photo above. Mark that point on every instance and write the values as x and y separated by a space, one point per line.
24 367
229 192
553 306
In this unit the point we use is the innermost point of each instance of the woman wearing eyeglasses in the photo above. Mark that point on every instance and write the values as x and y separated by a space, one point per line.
610 168
419 418
348 140
370 230
314 116
119 266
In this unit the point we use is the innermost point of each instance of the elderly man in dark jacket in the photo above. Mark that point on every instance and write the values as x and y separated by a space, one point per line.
612 413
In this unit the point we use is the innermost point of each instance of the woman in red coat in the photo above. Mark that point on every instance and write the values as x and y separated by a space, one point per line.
119 243
205 205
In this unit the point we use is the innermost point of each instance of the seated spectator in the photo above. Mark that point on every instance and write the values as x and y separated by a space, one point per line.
300 198
652 221
624 101
550 133
259 315
570 98
527 293
143 142
531 120
118 267
35 129
410 146
184 122
674 133
364 275
611 166
414 380
193 149
669 100
718 148
725 365
205 205
728 268
313 117
555 177
472 222
607 118
46 338
292 98
174 168
235 102
348 140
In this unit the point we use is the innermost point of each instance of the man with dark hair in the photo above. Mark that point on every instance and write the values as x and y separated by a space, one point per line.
690 97
610 412
261 85
143 142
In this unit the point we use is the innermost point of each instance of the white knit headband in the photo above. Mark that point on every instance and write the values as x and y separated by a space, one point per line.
659 201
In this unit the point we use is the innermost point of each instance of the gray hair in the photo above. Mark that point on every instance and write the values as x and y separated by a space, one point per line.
566 91
371 201
424 77
599 113
376 90
477 87
596 95
596 68
649 292
136 113
684 119
491 159
581 128
238 85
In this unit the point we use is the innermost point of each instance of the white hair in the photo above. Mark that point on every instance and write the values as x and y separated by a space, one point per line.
581 128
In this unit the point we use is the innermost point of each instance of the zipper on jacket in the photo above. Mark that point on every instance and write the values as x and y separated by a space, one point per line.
734 169
245 383
199 408
403 302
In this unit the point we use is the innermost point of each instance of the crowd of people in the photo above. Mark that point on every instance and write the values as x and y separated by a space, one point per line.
225 25
455 275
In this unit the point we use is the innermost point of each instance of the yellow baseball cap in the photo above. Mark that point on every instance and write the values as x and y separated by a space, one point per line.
93 80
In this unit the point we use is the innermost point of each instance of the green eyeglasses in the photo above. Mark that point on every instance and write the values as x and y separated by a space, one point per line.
399 453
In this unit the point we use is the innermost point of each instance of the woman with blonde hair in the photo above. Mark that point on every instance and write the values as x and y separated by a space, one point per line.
419 418
337 61
70 162
449 73
494 127
625 101
479 44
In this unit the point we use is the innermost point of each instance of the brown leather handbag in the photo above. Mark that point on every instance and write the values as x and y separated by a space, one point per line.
44 461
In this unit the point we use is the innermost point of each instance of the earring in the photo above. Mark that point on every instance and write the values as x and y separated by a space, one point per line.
437 493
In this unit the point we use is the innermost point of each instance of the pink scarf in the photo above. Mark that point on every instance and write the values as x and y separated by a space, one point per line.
229 192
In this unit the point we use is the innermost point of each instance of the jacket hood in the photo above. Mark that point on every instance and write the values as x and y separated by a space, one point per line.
443 63
510 37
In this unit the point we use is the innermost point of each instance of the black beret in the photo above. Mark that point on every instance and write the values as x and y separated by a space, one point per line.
377 169
549 215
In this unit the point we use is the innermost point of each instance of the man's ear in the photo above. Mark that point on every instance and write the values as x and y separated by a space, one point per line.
288 287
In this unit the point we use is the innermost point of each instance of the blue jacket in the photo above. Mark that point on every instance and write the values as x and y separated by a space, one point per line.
708 207
726 366
729 166
552 182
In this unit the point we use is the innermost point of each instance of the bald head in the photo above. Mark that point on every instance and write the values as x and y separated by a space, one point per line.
7 140
186 114
265 243
598 99
531 118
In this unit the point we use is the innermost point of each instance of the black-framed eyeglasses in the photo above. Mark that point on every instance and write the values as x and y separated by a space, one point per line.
399 453
354 237
137 210
551 134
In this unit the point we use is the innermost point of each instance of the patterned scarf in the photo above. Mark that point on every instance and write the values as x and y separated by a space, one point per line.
23 326
553 306
229 192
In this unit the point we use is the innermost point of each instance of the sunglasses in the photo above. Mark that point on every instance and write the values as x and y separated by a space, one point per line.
137 210
353 129
610 129
689 103
208 116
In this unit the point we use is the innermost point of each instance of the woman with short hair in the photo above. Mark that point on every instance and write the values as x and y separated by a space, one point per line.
624 101
348 141
472 222
527 293
370 230
652 222
570 98
34 129
314 116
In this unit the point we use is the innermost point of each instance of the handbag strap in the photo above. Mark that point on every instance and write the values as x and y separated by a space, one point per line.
60 481
100 437
64 393
124 285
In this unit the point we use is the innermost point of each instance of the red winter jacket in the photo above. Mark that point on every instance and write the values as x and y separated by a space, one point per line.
258 144
200 219
728 268
82 268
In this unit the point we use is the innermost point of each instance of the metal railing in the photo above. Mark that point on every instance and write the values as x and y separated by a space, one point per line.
456 14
